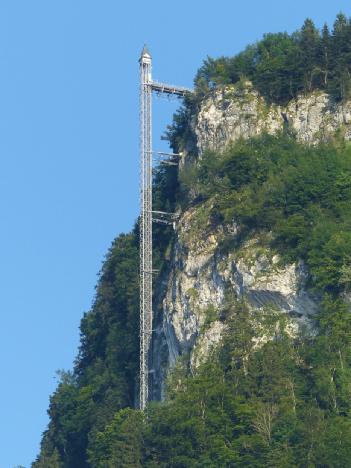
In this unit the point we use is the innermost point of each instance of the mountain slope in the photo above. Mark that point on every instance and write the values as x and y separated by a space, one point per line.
251 349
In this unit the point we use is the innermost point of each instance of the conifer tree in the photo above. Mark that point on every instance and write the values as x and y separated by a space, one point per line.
325 54
309 44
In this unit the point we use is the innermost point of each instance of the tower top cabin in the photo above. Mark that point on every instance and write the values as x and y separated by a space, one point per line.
145 55
145 64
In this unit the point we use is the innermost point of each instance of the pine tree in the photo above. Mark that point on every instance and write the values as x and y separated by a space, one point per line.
340 85
309 45
325 54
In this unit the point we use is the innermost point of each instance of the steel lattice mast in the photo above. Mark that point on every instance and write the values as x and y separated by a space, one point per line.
145 223
146 88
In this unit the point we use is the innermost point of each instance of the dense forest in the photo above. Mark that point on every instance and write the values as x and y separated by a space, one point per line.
282 65
284 404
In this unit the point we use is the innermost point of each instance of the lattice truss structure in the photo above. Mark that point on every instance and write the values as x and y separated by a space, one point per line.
147 86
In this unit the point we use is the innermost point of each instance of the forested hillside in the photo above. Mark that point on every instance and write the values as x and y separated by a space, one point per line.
278 402
283 65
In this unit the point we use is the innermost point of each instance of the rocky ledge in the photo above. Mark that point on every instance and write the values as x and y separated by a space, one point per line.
239 111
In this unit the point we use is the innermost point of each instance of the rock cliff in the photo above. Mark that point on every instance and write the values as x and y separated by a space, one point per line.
239 111
191 305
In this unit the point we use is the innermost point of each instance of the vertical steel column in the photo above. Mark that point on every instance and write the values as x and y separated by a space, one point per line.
145 223
146 88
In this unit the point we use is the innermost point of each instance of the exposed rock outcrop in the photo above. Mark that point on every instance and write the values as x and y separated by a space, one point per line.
239 111
200 277
201 273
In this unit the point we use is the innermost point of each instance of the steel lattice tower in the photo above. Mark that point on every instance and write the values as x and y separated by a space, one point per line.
146 272
145 223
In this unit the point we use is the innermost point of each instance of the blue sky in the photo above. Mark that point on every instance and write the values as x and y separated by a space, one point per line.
69 161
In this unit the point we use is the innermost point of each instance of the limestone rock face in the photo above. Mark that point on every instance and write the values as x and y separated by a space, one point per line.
189 317
239 111
201 276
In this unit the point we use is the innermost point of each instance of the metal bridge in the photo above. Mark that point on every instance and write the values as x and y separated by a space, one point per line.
147 86
169 89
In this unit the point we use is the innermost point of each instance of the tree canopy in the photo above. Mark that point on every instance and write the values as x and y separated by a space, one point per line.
281 65
286 403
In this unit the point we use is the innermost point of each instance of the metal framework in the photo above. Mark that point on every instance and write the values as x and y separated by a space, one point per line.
146 158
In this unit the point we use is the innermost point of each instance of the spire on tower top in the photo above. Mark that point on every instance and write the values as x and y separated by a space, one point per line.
145 52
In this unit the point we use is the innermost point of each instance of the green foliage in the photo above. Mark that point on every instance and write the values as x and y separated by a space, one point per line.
272 406
104 379
104 375
284 403
120 443
281 65
51 460
211 314
301 194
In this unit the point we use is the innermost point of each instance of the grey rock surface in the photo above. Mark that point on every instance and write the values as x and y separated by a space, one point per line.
239 111
200 275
